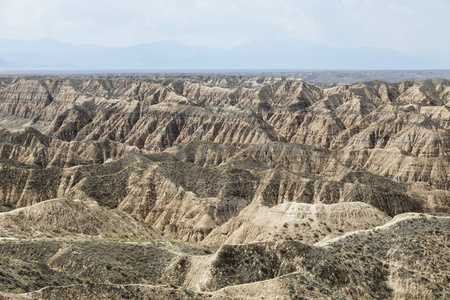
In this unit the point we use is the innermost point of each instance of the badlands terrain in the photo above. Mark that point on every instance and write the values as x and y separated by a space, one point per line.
223 187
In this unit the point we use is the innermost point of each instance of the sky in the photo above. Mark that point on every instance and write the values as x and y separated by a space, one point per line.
420 26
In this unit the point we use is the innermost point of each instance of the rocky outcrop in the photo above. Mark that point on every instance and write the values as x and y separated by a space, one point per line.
33 262
157 113
308 223
64 216
386 269
190 190
405 257
31 147
306 190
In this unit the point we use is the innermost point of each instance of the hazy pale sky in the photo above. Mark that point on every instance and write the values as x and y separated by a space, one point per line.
410 25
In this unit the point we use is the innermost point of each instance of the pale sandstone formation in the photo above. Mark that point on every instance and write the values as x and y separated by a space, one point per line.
223 160
226 146
193 190
406 257
296 221
157 113
64 216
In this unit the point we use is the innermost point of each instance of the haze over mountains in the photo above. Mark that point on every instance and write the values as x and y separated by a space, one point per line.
211 149
50 54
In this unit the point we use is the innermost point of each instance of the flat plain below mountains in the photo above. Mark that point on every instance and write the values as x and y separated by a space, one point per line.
223 187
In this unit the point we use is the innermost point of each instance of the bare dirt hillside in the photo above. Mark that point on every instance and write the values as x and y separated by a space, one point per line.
223 187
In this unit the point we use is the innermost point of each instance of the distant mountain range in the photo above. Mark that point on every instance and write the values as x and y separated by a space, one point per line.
49 54
6 64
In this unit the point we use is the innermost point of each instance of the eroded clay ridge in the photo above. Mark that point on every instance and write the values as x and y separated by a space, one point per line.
196 157
223 187
407 257
156 113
